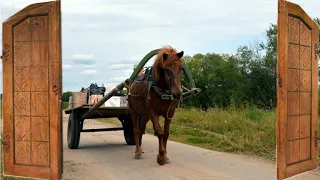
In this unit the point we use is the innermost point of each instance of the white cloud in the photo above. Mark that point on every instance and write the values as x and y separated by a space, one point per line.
82 56
83 59
128 71
90 66
66 66
119 66
116 79
90 71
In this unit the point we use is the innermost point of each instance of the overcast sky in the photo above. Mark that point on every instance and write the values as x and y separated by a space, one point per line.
103 39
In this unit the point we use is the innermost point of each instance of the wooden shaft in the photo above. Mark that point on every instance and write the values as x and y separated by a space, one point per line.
103 129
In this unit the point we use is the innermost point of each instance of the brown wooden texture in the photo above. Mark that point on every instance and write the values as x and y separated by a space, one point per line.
78 99
32 89
297 91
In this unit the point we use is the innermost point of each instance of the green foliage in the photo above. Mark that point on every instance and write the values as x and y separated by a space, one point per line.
124 91
317 20
218 77
66 95
65 105
246 78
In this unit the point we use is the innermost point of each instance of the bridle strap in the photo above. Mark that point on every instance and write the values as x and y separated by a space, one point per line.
169 78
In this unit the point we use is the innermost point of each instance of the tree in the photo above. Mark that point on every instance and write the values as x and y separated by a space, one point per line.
248 77
66 95
317 20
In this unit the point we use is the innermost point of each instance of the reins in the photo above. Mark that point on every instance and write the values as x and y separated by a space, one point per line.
167 114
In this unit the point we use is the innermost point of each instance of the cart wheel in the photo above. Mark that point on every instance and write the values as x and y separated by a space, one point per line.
73 132
128 131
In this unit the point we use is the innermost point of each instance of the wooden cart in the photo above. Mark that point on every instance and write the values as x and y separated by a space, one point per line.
75 122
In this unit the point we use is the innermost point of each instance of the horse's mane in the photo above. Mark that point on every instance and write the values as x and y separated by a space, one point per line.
160 63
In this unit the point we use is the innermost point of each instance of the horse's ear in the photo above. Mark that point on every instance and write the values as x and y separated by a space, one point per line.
164 56
180 54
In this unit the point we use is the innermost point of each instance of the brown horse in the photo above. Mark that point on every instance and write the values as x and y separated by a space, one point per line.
167 73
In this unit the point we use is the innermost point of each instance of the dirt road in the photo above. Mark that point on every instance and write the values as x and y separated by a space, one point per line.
105 155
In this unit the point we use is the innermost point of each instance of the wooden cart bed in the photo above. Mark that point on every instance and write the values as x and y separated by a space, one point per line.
101 112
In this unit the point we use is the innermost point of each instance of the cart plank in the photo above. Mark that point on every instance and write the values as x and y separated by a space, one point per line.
101 112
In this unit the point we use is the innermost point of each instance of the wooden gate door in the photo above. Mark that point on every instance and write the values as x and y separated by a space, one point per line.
32 93
297 116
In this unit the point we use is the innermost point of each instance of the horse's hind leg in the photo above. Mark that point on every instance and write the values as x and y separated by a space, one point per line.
144 122
136 132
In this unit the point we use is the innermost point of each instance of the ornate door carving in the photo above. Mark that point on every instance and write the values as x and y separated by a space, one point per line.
32 92
297 118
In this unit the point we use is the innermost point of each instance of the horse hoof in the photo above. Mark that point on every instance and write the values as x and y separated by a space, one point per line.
138 157
163 162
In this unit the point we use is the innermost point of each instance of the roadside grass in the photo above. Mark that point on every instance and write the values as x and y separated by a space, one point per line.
65 105
247 131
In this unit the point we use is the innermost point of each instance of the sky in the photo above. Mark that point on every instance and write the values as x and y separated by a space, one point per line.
103 39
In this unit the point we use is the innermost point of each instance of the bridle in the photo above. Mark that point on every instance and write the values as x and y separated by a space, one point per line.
169 78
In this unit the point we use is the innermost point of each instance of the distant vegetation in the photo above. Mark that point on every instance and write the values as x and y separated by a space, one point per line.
247 78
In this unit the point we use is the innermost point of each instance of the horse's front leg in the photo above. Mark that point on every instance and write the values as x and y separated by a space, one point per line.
166 136
161 156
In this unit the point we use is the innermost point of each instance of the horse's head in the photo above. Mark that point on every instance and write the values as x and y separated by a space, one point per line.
172 65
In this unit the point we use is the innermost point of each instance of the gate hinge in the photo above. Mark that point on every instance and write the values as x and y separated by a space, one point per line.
316 51
5 52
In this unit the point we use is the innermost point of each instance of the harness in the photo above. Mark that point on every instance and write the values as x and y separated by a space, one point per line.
163 94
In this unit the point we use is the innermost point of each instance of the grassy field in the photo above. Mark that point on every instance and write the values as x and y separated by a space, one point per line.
241 131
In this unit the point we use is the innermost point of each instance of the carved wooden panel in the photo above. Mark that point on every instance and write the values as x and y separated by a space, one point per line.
31 83
40 129
297 112
40 153
293 56
300 80
22 152
22 32
22 59
39 104
32 127
39 28
21 104
22 128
